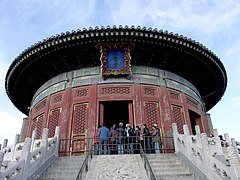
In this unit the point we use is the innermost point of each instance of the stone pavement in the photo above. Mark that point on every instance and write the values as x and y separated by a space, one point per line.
117 167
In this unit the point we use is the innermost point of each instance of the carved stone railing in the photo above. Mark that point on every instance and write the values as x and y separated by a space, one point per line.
207 154
29 159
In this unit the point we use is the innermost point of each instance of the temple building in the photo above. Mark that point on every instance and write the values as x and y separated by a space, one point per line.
78 80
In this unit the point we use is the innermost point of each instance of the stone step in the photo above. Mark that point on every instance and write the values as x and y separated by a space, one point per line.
174 177
167 166
165 162
66 168
171 170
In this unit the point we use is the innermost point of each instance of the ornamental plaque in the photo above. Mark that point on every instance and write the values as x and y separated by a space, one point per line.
115 59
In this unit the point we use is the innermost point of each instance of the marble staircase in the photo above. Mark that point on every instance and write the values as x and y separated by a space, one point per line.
64 168
169 167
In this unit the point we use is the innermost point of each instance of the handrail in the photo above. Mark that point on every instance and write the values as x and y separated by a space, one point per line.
146 164
85 165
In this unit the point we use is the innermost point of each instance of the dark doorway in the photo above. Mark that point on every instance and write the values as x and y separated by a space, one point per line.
195 119
115 112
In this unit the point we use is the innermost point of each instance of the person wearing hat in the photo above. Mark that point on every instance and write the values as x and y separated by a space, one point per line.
156 138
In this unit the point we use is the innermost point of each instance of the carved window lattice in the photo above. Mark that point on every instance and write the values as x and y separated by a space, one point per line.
33 126
150 91
80 118
57 98
177 118
39 126
53 121
151 111
40 105
81 93
174 95
192 103
115 90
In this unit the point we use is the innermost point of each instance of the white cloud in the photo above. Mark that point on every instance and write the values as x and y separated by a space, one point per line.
10 125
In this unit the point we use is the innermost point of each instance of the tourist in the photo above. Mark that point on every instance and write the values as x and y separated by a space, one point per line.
103 135
113 138
146 135
130 134
156 138
120 138
137 139
96 140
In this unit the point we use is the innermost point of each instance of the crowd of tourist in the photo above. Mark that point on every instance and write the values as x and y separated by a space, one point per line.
126 139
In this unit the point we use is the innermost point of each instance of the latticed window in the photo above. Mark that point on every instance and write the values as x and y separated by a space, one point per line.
192 103
178 117
82 93
53 121
37 124
174 95
149 91
151 113
57 98
115 90
80 118
40 105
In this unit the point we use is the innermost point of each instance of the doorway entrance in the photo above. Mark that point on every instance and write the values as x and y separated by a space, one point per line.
195 119
113 112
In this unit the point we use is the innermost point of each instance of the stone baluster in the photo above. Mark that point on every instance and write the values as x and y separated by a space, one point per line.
57 135
44 143
26 155
206 155
187 141
218 146
175 137
16 141
5 142
198 136
34 136
233 158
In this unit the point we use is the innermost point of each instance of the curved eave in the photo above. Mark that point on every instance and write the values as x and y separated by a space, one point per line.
70 51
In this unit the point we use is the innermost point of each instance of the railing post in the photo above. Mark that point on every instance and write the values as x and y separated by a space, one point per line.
175 137
26 156
44 144
34 136
57 136
233 158
16 140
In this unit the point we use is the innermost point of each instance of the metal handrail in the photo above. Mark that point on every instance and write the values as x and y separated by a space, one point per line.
85 165
146 164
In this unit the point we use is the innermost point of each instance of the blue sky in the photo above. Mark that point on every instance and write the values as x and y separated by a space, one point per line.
213 23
